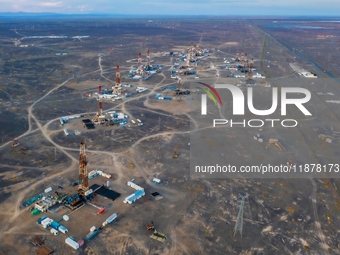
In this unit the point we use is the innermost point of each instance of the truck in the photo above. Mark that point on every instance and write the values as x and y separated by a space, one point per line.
92 234
54 231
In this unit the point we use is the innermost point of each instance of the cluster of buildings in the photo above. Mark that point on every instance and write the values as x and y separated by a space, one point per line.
136 195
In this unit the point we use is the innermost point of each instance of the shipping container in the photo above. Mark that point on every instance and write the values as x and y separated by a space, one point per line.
62 229
48 190
106 175
156 180
72 243
66 132
111 218
41 219
139 120
88 192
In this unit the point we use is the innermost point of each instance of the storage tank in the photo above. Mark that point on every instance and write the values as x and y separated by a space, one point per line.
72 243
54 231
66 218
48 190
93 229
107 183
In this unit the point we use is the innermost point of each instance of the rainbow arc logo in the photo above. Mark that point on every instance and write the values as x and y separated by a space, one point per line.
210 94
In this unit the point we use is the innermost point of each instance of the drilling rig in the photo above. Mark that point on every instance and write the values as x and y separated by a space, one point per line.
148 66
250 69
140 69
83 185
117 87
97 119
175 152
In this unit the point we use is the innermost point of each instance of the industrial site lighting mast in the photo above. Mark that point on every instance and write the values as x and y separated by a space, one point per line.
83 184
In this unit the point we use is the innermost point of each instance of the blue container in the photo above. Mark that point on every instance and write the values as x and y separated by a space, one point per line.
92 234
24 204
41 219
55 225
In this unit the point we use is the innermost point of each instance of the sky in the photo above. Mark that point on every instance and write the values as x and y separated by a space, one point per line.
176 7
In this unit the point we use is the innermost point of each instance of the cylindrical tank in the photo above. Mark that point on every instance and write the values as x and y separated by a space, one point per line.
66 218
107 183
93 229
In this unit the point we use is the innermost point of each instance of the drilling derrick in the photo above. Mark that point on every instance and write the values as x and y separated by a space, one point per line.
250 69
237 59
148 59
116 88
100 106
83 185
139 69
179 91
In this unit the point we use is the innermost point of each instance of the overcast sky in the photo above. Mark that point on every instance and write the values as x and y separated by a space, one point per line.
177 7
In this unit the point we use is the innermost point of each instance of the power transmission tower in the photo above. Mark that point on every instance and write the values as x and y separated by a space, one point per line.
239 222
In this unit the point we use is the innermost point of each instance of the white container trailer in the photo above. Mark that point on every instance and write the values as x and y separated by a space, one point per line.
139 120
72 243
62 229
48 190
134 122
54 232
106 175
111 218
134 186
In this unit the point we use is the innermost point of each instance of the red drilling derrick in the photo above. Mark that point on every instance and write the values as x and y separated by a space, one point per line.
83 185
116 87
117 76
100 108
